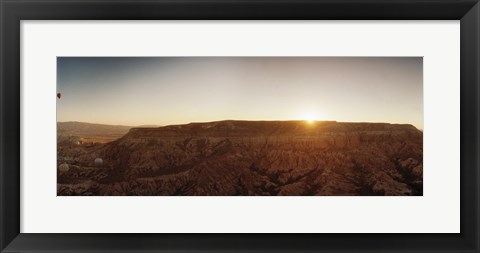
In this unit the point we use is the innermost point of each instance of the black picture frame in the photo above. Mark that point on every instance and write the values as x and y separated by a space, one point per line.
13 11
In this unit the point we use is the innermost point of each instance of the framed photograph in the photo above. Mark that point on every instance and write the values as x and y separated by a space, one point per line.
242 126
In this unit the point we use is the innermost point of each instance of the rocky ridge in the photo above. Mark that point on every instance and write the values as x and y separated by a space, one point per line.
294 158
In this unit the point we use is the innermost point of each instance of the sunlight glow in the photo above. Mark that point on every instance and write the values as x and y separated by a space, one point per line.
137 91
310 117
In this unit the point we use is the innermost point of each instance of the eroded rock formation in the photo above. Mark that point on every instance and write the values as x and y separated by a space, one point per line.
253 158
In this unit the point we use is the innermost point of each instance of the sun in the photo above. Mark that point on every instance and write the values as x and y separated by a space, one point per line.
309 117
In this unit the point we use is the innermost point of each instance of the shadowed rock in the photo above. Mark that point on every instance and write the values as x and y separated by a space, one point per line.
254 158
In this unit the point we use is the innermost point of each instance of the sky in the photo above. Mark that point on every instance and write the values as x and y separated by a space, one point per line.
137 91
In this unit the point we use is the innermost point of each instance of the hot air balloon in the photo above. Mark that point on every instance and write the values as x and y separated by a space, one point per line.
63 167
98 162
59 95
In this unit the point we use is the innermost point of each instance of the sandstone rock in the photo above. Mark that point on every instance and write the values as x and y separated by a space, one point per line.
255 158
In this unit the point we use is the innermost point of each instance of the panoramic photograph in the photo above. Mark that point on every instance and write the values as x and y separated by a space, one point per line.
239 126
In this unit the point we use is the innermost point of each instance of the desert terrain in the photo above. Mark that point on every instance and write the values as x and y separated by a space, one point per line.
240 158
86 133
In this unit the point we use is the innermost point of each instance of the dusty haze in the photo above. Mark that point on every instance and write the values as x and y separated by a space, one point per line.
240 126
180 90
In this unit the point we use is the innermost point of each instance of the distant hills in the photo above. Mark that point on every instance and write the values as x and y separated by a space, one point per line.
93 132
83 129
87 132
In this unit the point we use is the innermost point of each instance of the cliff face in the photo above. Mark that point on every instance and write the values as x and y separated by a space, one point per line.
255 158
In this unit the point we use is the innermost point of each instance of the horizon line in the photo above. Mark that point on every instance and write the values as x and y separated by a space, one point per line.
214 121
